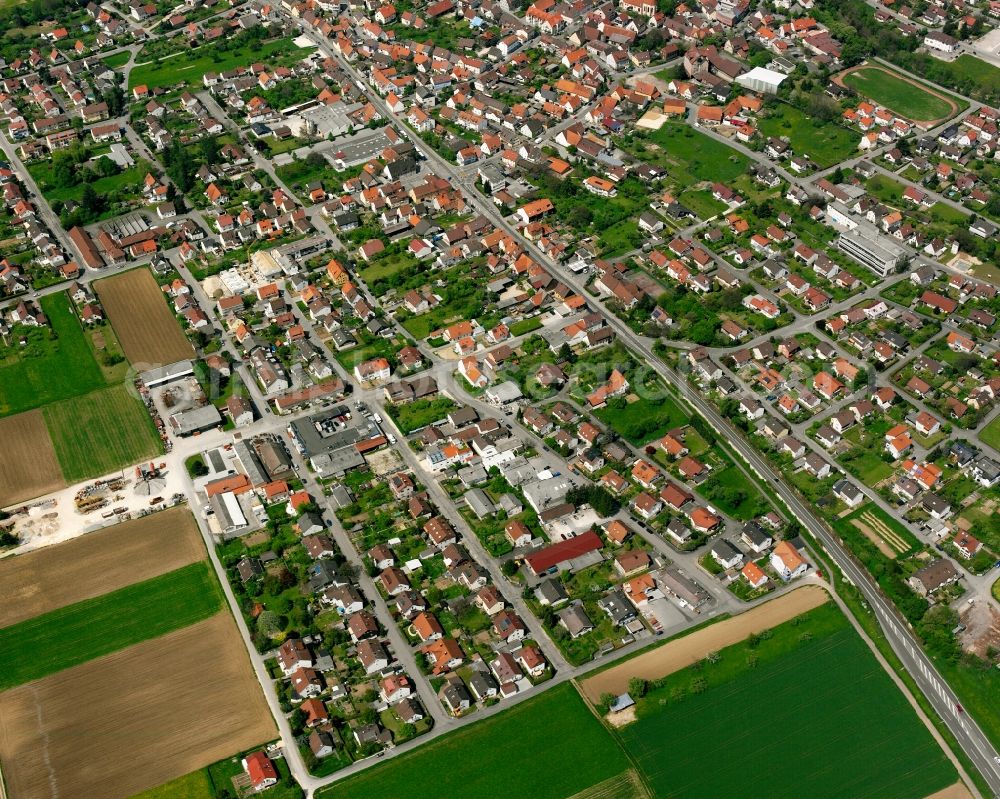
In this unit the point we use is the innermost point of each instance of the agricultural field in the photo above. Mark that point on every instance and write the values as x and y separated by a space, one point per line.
101 432
905 96
144 324
88 629
57 363
165 708
691 646
539 742
824 143
28 463
105 560
188 68
782 702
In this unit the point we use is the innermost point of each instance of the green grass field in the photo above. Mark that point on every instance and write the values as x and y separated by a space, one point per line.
50 367
123 187
825 143
550 747
733 493
643 420
195 785
101 432
117 60
692 157
969 68
420 413
899 95
991 434
85 630
188 68
808 712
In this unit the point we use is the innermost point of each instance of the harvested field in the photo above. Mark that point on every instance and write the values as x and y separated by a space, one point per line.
682 652
97 563
135 719
146 328
28 463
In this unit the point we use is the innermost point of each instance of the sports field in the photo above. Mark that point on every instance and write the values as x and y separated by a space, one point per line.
807 711
94 627
56 363
28 463
905 96
550 747
145 326
101 432
93 564
134 719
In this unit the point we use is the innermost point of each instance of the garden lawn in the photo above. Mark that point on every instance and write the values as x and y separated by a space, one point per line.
187 68
643 420
103 431
128 181
524 326
991 434
49 369
808 711
824 143
550 747
420 413
116 60
733 493
897 94
693 157
86 630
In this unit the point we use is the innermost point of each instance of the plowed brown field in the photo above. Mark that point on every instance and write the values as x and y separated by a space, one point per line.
97 563
135 719
146 328
28 463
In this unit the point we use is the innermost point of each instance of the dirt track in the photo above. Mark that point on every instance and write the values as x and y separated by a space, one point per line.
28 464
97 563
684 651
121 724
923 124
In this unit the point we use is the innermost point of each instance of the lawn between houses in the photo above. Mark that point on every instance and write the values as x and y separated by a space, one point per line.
86 630
825 143
189 68
786 699
549 747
